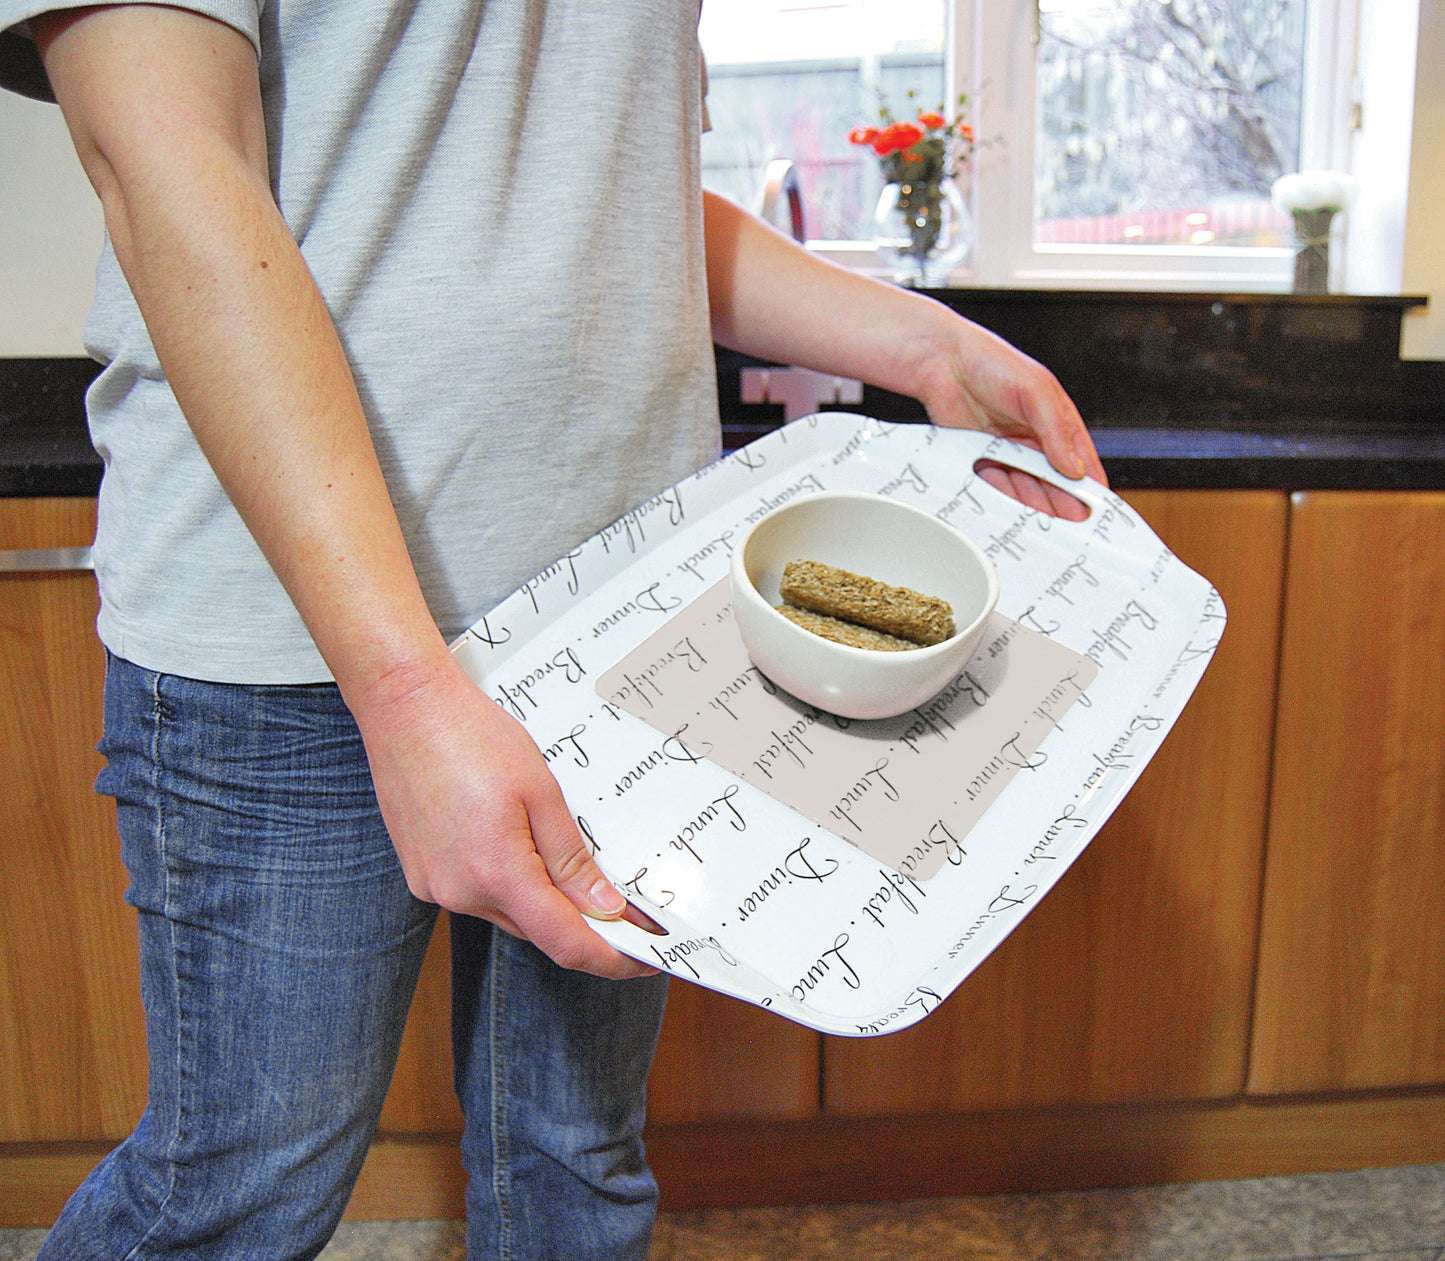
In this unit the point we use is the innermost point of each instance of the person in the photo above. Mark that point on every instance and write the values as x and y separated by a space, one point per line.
400 301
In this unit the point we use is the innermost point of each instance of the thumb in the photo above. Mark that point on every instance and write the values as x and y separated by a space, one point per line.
569 862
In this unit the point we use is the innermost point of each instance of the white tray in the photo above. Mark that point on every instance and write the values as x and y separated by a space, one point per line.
729 813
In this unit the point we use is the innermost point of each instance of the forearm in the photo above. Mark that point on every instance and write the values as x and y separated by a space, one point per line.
256 366
760 283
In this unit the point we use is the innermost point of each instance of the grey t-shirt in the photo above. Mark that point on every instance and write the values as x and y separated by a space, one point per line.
500 202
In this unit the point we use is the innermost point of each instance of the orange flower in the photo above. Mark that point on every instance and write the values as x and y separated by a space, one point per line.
896 136
965 133
932 119
863 135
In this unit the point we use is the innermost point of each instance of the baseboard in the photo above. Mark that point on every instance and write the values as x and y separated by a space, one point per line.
758 1162
730 1164
37 1178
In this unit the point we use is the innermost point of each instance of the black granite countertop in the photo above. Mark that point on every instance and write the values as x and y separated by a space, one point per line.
44 447
1180 390
1143 459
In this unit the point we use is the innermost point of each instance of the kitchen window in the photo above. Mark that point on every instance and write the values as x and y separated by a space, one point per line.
1124 143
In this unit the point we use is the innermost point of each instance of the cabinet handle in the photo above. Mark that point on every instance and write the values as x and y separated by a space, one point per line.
45 560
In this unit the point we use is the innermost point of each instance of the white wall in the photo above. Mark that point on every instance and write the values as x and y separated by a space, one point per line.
50 233
1424 263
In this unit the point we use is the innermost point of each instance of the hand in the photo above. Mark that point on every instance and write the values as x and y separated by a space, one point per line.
976 380
479 822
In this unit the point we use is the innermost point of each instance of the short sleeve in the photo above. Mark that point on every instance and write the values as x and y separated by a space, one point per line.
20 66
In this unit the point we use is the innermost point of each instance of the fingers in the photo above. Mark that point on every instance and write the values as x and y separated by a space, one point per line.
1054 423
514 890
570 865
1003 479
1071 450
1064 505
563 936
535 910
1066 444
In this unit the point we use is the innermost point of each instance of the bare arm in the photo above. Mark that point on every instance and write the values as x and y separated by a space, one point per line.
165 111
773 299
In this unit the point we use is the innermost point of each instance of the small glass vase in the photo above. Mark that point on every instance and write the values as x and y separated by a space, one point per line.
923 231
1312 259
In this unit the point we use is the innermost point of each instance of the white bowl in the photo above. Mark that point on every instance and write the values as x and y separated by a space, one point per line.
884 540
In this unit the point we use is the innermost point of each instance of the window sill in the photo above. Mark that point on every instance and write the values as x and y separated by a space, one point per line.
1141 269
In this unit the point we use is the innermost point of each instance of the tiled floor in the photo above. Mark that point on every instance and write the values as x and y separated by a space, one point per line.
1373 1215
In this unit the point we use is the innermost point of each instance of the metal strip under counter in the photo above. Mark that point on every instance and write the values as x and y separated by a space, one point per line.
45 560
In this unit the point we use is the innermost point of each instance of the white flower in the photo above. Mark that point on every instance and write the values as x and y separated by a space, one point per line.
1314 190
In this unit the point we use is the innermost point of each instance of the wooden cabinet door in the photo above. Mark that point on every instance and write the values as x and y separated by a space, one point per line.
421 1099
72 1040
1351 988
720 1058
1132 979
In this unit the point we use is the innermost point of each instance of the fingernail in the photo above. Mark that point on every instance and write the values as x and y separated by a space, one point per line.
1077 461
605 897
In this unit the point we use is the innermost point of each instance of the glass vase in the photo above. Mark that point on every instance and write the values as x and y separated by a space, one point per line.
923 231
1312 259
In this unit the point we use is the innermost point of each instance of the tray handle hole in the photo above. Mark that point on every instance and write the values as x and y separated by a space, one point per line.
1017 483
644 921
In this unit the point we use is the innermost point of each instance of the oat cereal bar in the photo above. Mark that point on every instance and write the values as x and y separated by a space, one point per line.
841 632
922 619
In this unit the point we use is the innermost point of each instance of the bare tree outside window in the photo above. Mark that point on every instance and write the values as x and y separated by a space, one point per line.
1166 121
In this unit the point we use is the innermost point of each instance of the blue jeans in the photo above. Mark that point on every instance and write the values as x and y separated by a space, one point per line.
280 947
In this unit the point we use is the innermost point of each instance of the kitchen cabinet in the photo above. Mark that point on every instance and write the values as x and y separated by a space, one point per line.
72 1050
720 1058
1351 992
421 1099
